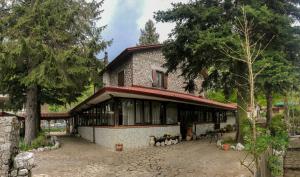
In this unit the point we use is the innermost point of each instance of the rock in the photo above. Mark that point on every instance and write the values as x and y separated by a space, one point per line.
23 172
57 145
152 141
53 139
219 143
239 147
278 153
176 141
14 173
40 149
232 147
188 138
157 144
24 161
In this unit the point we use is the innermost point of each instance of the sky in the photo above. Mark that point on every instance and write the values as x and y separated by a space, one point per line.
125 18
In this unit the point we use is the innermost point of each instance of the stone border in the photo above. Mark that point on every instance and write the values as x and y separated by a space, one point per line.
54 141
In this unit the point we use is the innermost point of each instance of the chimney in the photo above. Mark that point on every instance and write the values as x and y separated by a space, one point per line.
105 58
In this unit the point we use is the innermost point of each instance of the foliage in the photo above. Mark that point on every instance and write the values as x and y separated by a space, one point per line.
204 27
229 128
64 108
54 129
220 97
48 48
149 34
40 141
275 165
229 140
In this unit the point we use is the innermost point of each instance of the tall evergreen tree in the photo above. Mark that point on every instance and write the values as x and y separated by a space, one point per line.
47 50
149 34
204 27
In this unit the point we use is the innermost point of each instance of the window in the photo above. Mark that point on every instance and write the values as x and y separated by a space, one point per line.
139 112
147 113
156 112
128 112
171 113
121 79
160 79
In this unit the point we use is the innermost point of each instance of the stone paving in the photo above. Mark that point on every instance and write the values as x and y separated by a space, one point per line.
292 159
79 158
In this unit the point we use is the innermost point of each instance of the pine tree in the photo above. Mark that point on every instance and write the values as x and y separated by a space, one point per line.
149 34
203 27
47 51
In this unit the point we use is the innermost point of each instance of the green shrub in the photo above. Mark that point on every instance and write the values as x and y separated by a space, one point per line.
23 146
275 165
40 141
229 140
229 128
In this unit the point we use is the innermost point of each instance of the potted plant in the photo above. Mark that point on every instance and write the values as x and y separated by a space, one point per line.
189 133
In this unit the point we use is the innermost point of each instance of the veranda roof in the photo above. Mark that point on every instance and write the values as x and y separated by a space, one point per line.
151 94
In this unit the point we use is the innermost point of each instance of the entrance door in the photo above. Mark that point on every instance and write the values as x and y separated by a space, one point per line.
183 123
217 120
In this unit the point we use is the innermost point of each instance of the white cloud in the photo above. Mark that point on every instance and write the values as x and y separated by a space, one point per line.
109 7
151 6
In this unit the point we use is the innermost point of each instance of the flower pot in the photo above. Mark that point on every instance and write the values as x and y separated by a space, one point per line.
226 147
189 131
119 147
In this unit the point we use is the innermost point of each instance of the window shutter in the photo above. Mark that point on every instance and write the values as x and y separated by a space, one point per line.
154 78
166 81
121 79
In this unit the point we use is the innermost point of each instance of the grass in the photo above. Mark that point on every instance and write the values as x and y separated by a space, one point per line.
54 129
40 141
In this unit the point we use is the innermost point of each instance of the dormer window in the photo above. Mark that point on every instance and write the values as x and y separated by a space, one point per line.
160 79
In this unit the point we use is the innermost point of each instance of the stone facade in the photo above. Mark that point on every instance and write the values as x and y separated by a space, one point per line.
110 78
9 142
146 61
130 137
138 72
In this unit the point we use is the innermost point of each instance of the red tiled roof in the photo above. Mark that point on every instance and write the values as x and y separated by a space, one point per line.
161 94
53 115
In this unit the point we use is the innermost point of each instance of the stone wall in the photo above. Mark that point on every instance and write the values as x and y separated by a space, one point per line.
130 137
145 62
138 71
9 142
110 78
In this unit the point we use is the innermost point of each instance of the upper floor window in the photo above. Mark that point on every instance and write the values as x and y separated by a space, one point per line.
160 79
121 79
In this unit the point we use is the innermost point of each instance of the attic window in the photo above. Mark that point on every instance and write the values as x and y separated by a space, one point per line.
160 79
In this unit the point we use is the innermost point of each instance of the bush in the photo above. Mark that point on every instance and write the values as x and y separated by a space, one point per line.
229 128
40 141
275 165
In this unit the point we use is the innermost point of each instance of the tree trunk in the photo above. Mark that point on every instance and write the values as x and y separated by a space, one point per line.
38 119
31 114
242 99
269 99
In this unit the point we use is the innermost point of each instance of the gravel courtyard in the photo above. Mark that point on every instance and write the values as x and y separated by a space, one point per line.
79 158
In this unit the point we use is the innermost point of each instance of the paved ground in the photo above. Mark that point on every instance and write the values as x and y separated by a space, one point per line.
292 159
78 158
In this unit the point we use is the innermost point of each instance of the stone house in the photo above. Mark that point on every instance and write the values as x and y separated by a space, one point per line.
140 99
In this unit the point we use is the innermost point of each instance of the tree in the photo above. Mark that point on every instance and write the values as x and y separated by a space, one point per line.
149 35
203 26
47 51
